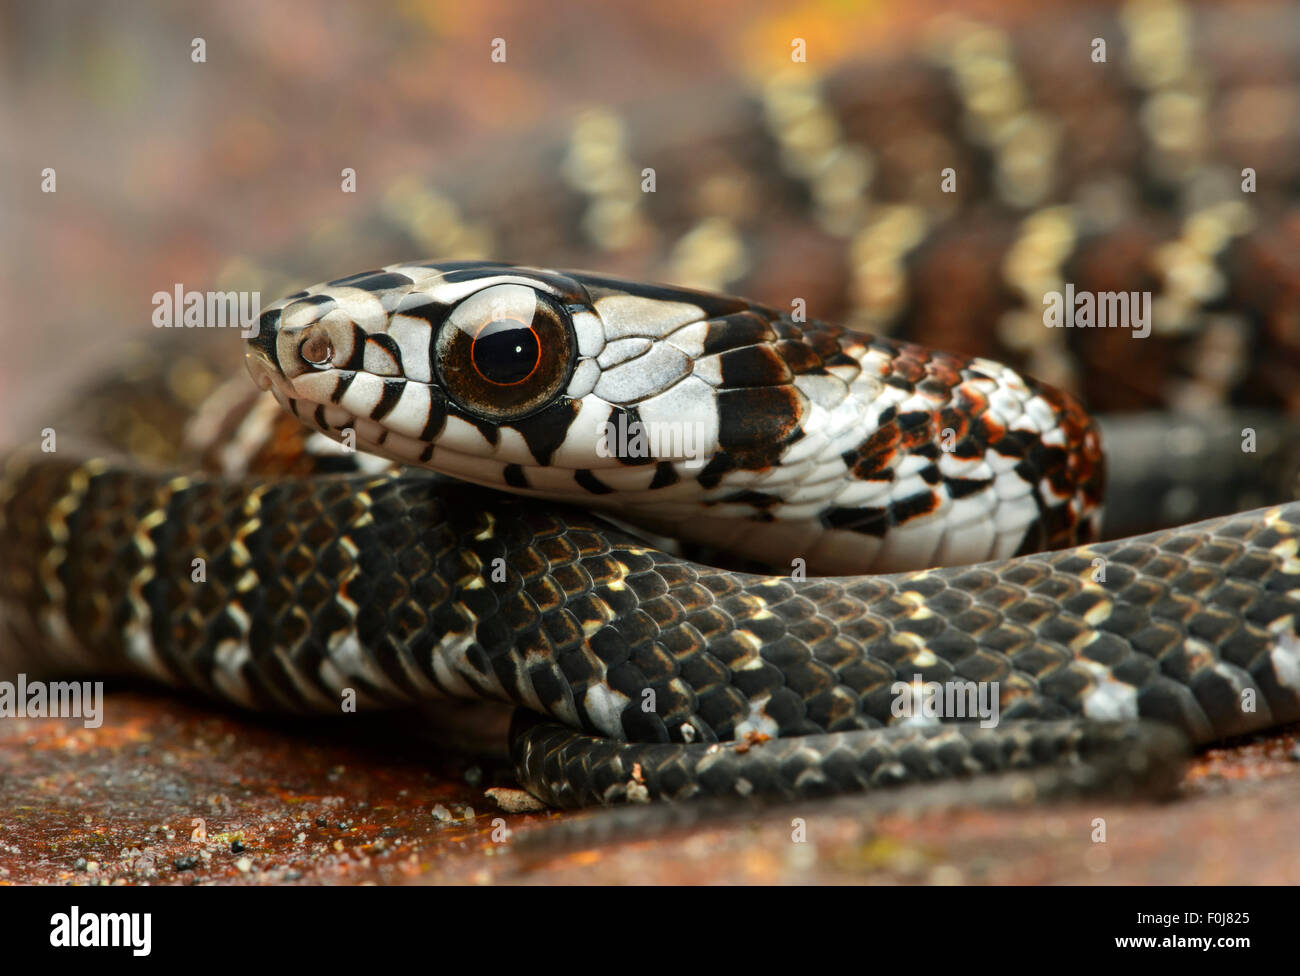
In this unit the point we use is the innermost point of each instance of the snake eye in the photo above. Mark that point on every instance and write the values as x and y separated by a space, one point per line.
317 349
505 352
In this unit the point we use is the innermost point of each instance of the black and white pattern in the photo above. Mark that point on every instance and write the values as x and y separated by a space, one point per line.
732 425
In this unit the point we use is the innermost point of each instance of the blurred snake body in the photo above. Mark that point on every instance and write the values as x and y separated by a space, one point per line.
930 517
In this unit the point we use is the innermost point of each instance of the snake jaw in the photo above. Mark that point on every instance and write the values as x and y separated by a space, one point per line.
260 376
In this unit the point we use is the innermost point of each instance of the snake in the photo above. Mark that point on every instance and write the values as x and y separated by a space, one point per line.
712 546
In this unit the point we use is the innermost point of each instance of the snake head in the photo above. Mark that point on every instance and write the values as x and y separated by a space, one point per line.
530 379
690 414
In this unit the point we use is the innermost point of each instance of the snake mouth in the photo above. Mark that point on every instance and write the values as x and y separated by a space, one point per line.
260 370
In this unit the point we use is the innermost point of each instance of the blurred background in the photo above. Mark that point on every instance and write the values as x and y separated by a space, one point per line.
226 174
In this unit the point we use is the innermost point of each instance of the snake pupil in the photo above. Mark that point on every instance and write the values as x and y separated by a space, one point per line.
505 353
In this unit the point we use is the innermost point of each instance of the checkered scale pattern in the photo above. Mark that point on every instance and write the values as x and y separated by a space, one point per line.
208 541
384 585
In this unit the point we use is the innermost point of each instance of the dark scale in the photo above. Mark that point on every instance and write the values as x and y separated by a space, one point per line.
546 430
392 392
372 280
587 481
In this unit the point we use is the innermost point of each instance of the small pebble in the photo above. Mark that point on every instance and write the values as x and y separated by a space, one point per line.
515 801
186 863
244 865
80 865
236 847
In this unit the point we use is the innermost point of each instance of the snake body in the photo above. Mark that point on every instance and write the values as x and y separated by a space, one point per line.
643 673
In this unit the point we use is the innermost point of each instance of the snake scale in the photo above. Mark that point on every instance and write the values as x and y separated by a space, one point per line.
849 461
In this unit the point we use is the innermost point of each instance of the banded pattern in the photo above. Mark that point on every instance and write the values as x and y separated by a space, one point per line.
1118 176
384 585
1126 176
